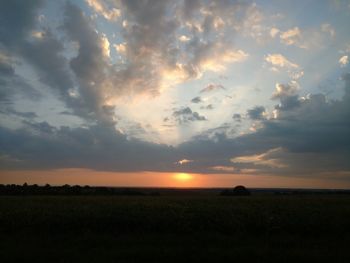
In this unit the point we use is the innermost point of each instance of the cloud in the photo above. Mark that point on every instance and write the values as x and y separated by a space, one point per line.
291 37
161 44
216 60
253 23
208 107
285 90
287 94
328 29
264 159
343 61
311 137
43 52
274 31
41 146
184 161
26 115
221 168
237 117
120 48
257 113
307 140
90 66
196 100
18 19
185 115
101 7
105 46
212 87
153 59
278 61
184 38
12 85
309 38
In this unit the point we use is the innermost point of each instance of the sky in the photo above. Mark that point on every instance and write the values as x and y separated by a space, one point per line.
190 93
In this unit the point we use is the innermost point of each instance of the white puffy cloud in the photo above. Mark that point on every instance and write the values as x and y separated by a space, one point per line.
105 46
285 90
274 31
100 7
343 61
120 48
184 38
280 61
291 37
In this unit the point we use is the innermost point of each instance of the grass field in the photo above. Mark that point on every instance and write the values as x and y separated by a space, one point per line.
258 228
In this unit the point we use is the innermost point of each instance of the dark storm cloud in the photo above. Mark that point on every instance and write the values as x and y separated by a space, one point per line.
256 113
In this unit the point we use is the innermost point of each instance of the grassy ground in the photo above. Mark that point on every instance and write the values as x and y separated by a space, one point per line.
175 229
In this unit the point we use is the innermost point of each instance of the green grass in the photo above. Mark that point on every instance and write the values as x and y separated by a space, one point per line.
175 229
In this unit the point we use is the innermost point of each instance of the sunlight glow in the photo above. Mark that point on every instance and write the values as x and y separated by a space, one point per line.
183 177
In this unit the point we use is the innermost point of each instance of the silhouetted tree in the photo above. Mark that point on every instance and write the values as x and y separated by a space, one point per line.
239 190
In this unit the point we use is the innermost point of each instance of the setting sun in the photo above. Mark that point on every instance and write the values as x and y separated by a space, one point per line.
183 177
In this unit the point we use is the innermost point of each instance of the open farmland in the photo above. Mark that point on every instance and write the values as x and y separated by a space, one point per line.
182 228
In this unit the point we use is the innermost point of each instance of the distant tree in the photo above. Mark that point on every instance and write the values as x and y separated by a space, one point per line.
76 189
239 190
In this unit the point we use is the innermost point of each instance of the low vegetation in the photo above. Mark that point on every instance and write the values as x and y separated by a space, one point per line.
175 228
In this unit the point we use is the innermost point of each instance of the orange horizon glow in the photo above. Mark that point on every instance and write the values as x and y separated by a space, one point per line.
183 177
78 176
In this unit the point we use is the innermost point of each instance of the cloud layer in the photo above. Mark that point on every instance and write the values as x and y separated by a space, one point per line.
95 84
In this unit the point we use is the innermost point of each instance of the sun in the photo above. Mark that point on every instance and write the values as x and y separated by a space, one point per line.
183 177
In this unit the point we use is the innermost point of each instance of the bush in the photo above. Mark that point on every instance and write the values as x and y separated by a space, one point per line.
239 190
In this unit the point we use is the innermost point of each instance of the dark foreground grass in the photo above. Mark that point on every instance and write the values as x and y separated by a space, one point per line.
175 229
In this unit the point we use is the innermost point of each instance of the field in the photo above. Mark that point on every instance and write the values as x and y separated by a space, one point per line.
176 228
